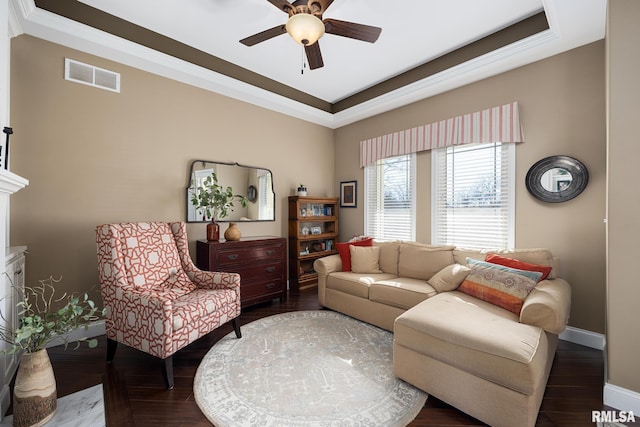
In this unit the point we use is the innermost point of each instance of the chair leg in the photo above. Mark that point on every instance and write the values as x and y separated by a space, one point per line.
112 346
236 327
168 372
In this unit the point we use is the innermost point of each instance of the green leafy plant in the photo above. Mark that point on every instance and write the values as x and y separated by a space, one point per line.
216 200
44 318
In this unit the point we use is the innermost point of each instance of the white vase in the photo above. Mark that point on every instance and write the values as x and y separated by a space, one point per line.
34 393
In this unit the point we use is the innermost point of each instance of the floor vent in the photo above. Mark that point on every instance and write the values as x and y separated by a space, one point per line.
89 75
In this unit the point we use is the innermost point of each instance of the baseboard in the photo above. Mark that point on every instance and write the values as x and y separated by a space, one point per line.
94 329
583 337
621 399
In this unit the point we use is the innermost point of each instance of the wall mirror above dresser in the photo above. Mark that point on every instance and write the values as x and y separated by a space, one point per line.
254 183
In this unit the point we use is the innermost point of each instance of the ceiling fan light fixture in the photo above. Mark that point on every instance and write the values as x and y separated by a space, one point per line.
305 28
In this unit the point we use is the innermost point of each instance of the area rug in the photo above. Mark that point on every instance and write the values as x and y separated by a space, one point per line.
305 368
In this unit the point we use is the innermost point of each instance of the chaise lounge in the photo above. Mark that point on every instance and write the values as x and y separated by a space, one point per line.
460 334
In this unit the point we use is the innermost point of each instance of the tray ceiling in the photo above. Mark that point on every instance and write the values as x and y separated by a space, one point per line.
426 46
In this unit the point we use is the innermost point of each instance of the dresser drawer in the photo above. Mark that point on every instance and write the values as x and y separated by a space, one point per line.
243 255
260 271
248 292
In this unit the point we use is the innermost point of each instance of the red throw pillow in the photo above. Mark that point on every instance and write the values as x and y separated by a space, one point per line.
345 253
520 265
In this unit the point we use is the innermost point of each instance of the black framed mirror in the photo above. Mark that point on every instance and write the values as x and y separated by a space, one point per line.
557 179
255 183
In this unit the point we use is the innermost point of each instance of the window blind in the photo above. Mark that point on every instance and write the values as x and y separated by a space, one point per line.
473 195
390 198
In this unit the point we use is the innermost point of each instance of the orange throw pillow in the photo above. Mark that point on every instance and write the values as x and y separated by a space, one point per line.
520 265
345 253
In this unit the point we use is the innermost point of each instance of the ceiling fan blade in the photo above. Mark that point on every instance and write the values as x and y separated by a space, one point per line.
352 30
283 5
314 57
318 7
264 35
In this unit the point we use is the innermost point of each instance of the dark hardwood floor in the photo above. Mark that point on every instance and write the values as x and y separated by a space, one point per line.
135 394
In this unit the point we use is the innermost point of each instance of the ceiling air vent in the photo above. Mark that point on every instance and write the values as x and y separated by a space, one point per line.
89 75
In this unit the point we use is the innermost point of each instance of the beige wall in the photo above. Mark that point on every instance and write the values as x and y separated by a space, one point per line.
562 112
93 156
623 232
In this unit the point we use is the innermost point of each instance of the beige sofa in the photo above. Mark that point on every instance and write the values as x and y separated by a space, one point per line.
479 357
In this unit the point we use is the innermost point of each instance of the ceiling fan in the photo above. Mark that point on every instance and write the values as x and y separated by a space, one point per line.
306 26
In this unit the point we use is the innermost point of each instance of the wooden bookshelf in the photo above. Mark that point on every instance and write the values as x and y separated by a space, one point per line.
313 233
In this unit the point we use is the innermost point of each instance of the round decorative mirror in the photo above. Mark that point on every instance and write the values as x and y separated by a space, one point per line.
557 179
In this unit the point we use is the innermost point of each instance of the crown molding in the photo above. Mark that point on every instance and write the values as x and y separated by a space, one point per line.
566 31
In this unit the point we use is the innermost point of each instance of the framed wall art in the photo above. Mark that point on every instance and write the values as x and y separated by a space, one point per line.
349 194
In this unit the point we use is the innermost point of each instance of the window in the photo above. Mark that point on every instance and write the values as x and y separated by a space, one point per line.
473 189
390 198
265 196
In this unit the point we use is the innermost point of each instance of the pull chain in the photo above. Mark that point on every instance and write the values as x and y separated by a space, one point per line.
304 64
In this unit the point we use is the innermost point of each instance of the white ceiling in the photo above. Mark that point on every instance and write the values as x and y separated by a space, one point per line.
413 32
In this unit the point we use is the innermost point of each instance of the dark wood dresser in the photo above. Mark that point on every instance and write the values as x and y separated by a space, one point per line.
260 261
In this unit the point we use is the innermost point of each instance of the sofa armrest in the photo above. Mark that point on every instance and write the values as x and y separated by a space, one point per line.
328 264
548 306
325 266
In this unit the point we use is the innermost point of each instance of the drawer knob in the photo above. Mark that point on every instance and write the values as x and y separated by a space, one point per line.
232 257
271 285
271 269
271 252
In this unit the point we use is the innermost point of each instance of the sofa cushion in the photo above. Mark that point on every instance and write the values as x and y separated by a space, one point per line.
449 278
401 292
177 284
520 265
389 252
419 261
354 283
476 337
364 259
345 253
503 286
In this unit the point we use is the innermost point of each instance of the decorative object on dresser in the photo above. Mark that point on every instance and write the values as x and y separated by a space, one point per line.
215 202
313 233
260 261
232 233
156 300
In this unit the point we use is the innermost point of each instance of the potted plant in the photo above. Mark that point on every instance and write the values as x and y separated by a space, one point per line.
216 202
43 319
302 190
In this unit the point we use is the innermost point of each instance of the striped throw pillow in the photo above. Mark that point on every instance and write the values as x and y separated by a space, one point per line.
499 285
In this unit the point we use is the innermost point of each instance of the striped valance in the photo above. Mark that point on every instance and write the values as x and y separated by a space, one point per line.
497 124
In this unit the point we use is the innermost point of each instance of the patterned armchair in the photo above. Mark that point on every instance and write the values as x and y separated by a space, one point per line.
156 300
